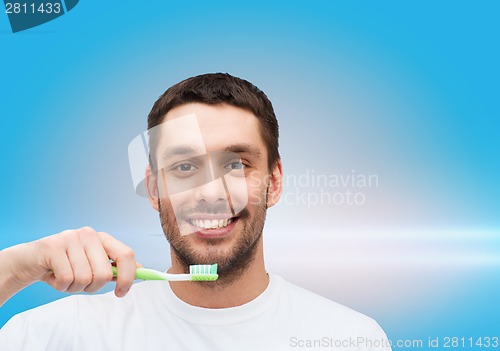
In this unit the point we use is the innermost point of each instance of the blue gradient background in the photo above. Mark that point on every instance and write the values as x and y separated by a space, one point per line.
404 90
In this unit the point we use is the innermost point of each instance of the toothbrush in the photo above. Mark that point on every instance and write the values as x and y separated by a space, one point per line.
197 272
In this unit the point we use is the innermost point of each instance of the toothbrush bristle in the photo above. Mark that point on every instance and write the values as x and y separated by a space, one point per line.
203 272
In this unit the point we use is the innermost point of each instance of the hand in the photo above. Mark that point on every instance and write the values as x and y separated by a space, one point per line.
72 261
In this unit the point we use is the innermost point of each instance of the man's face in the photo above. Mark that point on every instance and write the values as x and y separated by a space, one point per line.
212 184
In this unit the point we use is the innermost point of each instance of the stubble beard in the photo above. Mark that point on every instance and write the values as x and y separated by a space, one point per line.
231 262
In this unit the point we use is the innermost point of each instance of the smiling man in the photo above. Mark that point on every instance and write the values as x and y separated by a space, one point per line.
214 171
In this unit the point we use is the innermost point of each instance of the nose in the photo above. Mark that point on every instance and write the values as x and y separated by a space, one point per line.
211 192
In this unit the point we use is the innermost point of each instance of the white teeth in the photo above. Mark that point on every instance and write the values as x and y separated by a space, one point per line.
211 224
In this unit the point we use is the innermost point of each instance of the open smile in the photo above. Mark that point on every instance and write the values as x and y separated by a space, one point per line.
211 223
212 227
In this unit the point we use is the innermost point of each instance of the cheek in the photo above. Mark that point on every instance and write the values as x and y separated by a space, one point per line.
172 206
257 186
237 192
162 185
178 201
173 201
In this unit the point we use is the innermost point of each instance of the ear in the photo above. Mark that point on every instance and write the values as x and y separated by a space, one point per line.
152 188
275 185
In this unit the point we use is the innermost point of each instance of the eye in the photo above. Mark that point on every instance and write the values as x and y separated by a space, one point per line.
185 168
235 166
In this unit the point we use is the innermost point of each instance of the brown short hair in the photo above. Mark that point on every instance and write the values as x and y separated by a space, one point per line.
222 88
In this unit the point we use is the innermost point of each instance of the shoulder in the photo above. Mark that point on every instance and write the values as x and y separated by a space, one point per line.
61 309
55 323
329 315
48 326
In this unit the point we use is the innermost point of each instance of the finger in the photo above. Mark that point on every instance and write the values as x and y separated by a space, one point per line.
125 262
82 271
99 263
62 273
137 265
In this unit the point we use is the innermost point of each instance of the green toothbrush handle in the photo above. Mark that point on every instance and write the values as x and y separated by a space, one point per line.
145 274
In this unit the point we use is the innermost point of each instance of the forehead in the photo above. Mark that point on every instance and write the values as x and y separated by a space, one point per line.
208 128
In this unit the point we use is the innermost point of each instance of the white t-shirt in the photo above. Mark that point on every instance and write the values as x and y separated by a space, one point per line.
152 317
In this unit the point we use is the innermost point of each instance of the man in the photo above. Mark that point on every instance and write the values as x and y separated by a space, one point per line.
214 170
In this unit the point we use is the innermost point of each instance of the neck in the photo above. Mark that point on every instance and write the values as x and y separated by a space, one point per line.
240 290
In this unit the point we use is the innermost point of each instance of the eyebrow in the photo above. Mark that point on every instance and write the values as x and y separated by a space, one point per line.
244 148
177 150
186 150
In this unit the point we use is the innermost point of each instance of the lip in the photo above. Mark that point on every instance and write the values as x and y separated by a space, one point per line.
216 232
204 216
